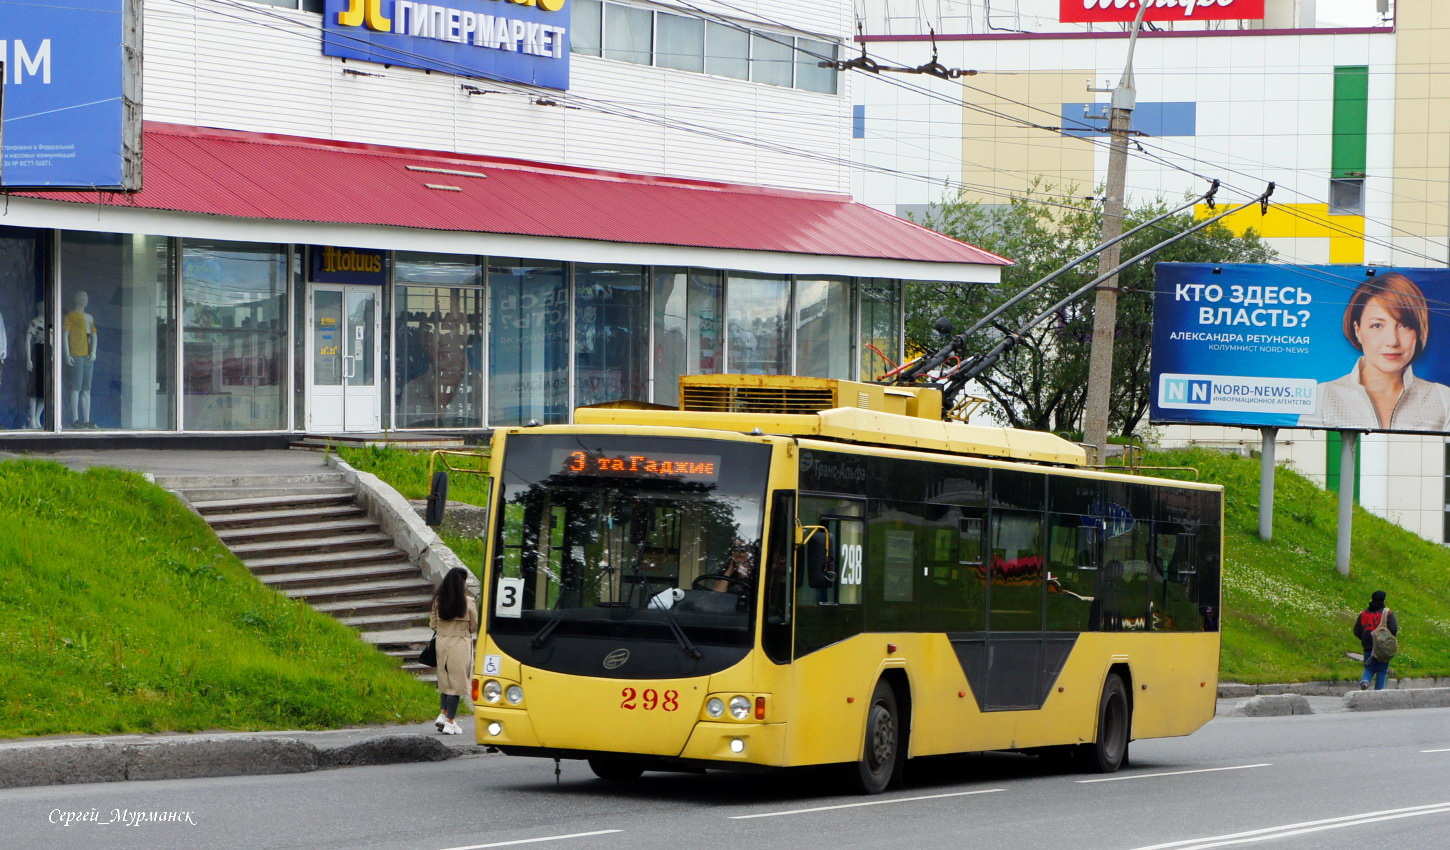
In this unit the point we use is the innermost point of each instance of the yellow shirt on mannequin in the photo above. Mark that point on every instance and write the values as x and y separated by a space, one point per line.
78 329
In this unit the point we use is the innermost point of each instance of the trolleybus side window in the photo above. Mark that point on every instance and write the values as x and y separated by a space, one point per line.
965 605
827 615
1126 509
1016 569
949 593
1074 541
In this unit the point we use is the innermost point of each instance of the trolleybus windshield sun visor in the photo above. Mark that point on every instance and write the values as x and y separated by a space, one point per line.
614 536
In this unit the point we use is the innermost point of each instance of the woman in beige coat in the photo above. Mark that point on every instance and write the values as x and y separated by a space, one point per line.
454 618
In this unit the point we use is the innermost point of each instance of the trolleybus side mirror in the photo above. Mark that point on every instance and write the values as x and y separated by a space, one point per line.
817 553
437 499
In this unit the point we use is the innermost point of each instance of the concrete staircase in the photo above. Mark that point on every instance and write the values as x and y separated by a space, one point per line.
305 537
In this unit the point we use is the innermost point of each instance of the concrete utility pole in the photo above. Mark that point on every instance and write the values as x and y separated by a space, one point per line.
1348 446
1105 308
1266 483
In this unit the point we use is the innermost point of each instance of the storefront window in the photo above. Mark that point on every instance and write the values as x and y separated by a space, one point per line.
116 339
727 51
611 333
689 304
24 326
680 42
586 32
824 333
234 347
758 318
880 303
772 58
809 74
628 33
437 269
439 357
528 349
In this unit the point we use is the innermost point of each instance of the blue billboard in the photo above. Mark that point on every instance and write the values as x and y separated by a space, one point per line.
1364 348
522 42
71 110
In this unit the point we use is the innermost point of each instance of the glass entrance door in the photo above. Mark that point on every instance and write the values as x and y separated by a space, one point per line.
342 359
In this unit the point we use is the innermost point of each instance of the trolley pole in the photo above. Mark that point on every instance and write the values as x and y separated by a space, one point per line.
1266 484
1105 306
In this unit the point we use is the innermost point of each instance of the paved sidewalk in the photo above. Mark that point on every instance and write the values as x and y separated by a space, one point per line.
74 759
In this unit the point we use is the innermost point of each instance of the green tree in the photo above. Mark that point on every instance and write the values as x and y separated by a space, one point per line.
1041 383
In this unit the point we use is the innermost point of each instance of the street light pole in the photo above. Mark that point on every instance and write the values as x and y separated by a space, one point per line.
1105 306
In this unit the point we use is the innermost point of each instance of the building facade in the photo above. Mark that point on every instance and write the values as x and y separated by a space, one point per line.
451 233
1345 110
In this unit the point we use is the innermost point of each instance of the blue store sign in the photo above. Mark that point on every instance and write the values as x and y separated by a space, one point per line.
521 41
71 71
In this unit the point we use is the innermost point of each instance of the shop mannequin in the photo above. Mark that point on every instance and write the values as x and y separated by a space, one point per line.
35 365
79 341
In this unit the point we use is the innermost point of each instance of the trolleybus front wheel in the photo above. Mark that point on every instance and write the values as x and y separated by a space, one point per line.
616 770
881 758
1110 751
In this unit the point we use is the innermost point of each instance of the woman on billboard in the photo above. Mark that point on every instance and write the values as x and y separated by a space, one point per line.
1388 321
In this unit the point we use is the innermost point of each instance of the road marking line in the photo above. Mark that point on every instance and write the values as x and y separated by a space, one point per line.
856 805
1302 828
535 840
1171 773
1446 750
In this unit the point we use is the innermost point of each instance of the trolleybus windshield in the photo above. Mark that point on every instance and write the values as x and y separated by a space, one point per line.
656 539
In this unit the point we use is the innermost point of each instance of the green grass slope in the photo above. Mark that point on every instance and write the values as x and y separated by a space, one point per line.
1287 613
121 612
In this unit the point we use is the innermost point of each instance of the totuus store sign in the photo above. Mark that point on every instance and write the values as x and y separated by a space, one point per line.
1109 11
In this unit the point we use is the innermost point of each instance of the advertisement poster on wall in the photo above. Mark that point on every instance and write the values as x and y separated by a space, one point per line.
1362 348
516 42
1108 11
72 83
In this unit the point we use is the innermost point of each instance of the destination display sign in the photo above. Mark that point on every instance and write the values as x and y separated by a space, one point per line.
704 468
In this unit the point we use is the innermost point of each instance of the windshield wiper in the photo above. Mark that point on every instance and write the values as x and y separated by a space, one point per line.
680 637
541 637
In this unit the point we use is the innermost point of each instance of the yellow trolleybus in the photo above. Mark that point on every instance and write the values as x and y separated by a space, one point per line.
794 571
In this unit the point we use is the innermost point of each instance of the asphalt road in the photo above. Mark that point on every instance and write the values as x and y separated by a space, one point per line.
1351 780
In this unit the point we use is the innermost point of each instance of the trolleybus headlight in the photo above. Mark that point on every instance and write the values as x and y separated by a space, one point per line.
737 745
715 707
494 728
514 694
492 691
739 708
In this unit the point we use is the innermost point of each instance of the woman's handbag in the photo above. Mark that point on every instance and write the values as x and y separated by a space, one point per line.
429 656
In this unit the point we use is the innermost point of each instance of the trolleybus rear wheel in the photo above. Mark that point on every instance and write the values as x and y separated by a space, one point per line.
881 755
1110 751
617 770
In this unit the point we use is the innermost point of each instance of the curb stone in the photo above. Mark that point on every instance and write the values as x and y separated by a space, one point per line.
1236 690
1272 705
73 763
1388 700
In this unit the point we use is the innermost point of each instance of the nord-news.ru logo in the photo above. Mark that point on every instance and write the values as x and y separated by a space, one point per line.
1182 391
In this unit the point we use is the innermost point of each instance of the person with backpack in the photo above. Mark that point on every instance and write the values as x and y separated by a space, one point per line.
1378 632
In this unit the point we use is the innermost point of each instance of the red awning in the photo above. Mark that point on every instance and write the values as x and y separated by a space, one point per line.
288 178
